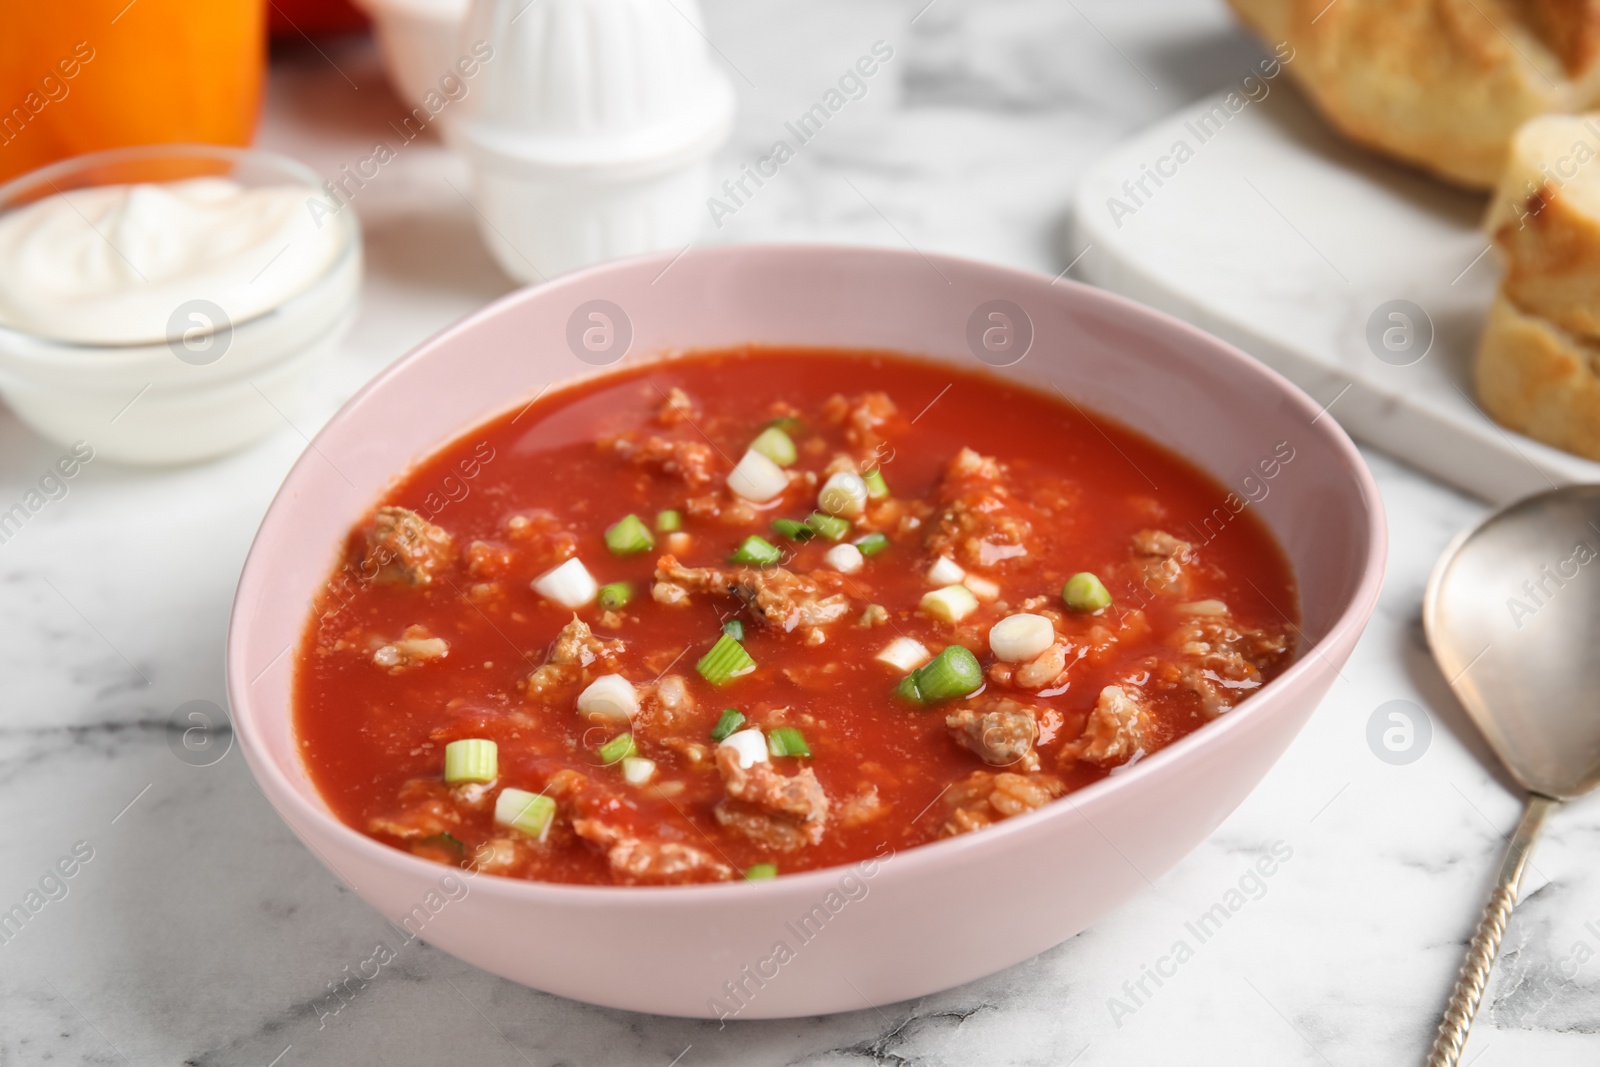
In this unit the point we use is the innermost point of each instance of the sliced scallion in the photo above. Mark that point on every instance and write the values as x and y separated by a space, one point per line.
830 526
872 544
877 488
1086 593
760 872
471 759
955 672
570 584
907 689
787 741
952 603
615 595
618 748
793 530
775 445
734 628
789 425
668 521
726 661
637 771
844 493
519 809
757 478
630 536
732 719
758 551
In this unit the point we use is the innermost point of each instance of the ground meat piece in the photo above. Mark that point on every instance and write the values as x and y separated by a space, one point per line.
665 702
668 593
692 461
778 597
861 807
575 649
696 756
488 560
676 407
1043 669
415 647
780 811
1116 727
402 546
592 810
983 798
980 522
542 539
425 809
999 730
866 419
638 861
1223 662
1160 561
499 855
721 506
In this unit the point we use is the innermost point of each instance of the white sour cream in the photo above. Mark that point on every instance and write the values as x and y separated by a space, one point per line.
113 264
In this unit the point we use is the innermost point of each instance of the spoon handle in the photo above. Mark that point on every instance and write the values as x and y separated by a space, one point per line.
1485 943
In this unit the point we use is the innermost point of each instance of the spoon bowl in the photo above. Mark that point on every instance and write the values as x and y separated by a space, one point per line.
1512 614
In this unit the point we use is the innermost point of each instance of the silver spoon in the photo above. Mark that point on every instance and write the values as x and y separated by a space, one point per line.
1512 614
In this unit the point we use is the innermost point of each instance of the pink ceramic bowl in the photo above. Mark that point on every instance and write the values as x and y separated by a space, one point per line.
918 921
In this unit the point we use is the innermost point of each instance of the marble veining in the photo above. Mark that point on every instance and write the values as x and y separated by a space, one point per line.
201 932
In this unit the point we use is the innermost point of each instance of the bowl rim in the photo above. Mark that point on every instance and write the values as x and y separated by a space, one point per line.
90 355
1346 628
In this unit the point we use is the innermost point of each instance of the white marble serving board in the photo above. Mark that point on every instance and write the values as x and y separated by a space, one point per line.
1270 230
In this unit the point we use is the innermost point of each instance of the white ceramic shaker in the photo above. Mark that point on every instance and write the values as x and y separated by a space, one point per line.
591 129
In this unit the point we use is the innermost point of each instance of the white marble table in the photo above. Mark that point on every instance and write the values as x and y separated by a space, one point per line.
201 931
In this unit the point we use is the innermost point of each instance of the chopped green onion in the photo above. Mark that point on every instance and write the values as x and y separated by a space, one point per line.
756 478
726 661
629 537
471 759
830 526
637 771
519 809
787 741
844 493
789 425
668 521
444 840
734 628
761 872
618 748
775 445
952 603
1086 593
877 488
952 673
907 689
794 531
732 719
757 550
872 544
615 595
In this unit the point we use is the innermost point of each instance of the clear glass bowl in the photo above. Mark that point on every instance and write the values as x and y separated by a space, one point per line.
203 390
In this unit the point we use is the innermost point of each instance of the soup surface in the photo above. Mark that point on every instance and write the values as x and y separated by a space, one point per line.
595 641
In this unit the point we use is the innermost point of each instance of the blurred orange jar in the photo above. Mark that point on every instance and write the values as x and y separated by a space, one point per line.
84 75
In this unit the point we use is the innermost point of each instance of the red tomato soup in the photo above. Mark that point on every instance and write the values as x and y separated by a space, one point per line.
746 613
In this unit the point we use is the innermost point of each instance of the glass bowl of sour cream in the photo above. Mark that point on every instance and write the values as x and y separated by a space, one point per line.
167 303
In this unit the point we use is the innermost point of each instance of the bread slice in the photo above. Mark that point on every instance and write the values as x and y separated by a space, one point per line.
1545 217
1537 378
1441 84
